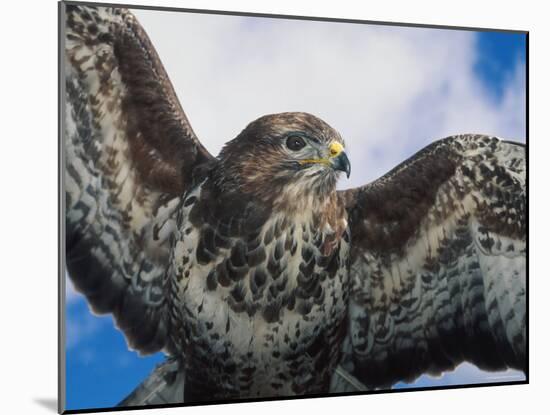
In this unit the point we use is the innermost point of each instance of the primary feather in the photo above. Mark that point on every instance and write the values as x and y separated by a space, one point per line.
129 151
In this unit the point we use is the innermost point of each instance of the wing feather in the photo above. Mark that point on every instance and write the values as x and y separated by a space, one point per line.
438 263
130 152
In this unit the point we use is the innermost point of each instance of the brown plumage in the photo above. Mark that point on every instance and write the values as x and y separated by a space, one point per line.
250 270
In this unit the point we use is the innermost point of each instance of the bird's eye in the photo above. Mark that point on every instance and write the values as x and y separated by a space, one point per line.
295 142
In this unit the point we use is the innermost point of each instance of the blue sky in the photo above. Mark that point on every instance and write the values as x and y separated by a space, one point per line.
408 87
498 53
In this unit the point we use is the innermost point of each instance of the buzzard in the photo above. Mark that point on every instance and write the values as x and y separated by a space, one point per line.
253 274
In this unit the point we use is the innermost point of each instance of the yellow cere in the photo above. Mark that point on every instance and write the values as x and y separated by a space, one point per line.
335 148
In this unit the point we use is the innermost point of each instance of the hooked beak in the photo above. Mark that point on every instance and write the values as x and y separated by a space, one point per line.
339 159
341 162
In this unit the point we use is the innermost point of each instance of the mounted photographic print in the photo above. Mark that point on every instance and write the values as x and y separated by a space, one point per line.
272 207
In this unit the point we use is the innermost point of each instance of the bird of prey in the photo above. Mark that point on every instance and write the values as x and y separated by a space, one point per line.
253 274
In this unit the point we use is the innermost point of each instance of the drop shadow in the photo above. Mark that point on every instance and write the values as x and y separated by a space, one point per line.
48 403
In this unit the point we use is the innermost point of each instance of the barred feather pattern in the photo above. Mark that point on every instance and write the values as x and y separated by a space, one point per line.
453 289
118 209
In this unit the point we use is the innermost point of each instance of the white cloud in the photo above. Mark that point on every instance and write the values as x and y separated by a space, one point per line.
465 373
388 90
71 295
81 325
80 322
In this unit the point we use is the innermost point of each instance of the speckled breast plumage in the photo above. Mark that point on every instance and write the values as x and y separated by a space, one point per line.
258 311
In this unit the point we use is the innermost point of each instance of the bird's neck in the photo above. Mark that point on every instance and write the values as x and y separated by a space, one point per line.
318 208
325 215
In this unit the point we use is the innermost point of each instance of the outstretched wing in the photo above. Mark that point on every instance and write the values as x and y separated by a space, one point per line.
438 263
129 153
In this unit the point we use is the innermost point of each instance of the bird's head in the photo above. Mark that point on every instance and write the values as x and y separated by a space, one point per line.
292 153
